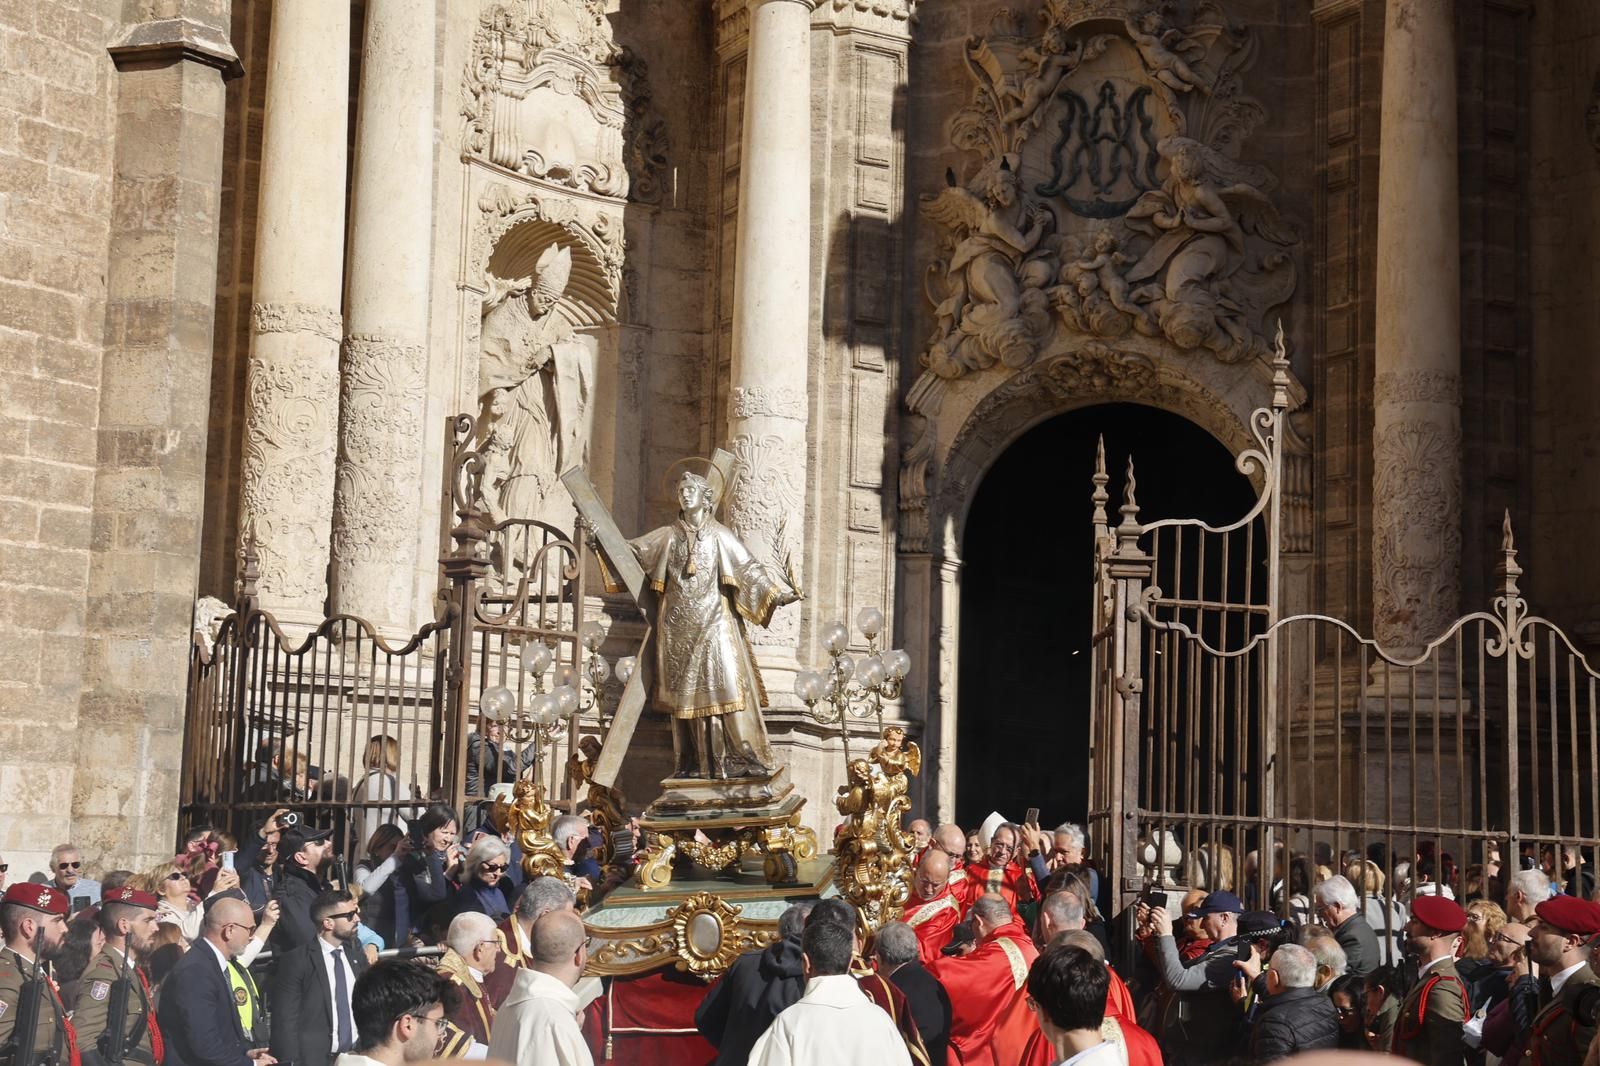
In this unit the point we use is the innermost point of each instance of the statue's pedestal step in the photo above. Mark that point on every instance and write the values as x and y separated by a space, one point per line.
724 842
737 795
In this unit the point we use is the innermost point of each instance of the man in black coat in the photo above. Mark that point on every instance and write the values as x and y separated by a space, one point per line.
1339 908
312 1016
199 1020
895 949
1294 1015
755 990
303 853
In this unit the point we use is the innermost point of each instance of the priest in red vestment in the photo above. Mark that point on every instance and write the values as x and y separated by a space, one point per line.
949 839
933 910
1000 872
1135 1047
990 1023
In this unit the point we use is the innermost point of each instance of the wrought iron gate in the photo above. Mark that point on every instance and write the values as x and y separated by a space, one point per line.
298 719
1235 748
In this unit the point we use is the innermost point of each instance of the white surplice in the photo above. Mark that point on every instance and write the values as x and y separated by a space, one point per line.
833 1024
537 1025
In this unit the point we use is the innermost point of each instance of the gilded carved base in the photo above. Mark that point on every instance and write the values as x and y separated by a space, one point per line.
721 841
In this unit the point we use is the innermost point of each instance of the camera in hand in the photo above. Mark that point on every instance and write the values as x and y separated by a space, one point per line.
288 821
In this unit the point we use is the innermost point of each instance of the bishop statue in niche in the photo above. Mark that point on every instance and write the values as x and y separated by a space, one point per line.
536 382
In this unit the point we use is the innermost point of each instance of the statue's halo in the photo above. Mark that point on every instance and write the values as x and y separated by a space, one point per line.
707 470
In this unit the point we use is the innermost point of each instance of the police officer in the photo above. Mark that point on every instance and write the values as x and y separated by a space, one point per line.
128 919
34 917
1428 1029
1563 1028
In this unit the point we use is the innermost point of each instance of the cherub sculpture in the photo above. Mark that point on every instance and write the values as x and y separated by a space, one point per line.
1104 263
526 819
1166 52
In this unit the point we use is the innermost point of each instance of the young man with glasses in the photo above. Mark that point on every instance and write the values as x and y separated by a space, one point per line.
400 1010
312 1016
66 874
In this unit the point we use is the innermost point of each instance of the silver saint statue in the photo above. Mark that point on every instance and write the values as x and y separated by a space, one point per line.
709 587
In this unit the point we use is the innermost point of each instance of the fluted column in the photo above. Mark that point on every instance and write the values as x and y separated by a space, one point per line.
1416 568
768 405
292 387
383 380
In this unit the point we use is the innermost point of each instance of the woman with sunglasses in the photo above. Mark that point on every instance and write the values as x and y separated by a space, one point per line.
485 884
169 883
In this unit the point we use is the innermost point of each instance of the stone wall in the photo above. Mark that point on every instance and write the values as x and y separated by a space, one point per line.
57 116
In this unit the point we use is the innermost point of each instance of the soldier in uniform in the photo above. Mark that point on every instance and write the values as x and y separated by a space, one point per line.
128 919
1564 1027
1428 1029
34 918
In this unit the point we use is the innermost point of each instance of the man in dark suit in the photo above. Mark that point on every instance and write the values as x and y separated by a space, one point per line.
199 1022
895 949
1338 907
312 1017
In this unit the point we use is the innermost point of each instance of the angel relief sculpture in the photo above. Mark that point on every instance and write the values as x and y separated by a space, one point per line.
1138 220
994 307
874 869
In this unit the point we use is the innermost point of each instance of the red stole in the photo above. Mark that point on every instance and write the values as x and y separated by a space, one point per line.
990 1021
934 921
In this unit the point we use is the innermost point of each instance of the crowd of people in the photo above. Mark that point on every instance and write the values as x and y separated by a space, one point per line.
263 951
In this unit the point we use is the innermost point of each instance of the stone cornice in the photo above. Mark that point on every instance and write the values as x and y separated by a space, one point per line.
175 40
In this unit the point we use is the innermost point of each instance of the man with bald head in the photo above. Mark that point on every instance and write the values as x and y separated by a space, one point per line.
200 1024
537 1025
933 909
952 840
921 838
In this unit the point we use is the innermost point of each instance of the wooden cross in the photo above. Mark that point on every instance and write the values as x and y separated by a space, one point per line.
626 567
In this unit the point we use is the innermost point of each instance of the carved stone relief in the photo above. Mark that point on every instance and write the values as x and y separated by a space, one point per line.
765 492
381 403
548 93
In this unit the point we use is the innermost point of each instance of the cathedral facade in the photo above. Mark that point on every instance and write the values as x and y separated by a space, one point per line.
260 252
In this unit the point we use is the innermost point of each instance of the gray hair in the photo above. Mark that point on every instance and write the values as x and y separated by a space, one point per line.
1074 832
1296 967
467 930
992 908
895 944
1327 952
543 895
568 826
1534 884
1337 891
484 849
63 849
793 920
1064 908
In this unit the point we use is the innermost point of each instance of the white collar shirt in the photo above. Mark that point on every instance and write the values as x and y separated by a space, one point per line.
222 960
1561 978
1102 1054
334 957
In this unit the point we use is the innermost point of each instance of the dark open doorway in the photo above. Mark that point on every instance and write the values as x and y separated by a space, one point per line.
1022 737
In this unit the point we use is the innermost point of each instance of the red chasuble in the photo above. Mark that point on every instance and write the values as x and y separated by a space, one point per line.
1012 881
1135 1046
933 920
990 1022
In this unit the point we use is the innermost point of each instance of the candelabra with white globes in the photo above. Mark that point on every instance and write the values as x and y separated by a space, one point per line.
559 694
853 688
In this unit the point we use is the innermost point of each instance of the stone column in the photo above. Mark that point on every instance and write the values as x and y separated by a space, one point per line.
292 389
1416 541
383 383
768 405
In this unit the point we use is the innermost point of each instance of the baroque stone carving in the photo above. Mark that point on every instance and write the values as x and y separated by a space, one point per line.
381 400
289 442
1416 595
548 93
297 318
774 401
767 473
502 207
1104 194
536 380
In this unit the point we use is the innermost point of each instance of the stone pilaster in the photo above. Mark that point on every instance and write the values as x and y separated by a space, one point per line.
383 381
154 406
1416 542
292 388
768 405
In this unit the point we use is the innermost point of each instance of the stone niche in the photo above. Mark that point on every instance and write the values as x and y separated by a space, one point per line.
559 143
1101 233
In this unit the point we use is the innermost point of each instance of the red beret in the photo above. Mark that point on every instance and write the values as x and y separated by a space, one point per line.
1571 915
1437 912
131 896
38 897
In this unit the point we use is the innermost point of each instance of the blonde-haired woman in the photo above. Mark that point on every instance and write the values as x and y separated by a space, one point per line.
1386 915
381 782
169 884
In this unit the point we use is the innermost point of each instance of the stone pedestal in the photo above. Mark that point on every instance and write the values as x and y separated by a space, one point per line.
384 377
768 408
292 389
1416 541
